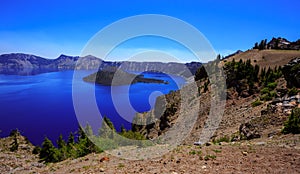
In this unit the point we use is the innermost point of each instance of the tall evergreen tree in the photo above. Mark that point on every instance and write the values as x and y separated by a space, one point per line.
71 139
107 128
62 148
48 152
88 130
61 142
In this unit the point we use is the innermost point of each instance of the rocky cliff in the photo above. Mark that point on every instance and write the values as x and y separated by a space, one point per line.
291 72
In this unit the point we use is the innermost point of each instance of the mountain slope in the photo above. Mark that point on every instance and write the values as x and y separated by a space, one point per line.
266 58
23 64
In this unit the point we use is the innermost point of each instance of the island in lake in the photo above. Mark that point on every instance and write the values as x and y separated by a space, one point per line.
115 76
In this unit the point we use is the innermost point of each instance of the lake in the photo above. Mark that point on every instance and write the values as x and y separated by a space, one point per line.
41 105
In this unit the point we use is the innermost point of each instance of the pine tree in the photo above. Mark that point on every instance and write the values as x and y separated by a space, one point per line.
201 73
62 148
60 142
107 128
85 145
71 139
292 125
88 130
48 152
109 123
218 58
255 45
14 144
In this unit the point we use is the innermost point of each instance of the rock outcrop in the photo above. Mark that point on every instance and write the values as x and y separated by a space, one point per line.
291 72
283 44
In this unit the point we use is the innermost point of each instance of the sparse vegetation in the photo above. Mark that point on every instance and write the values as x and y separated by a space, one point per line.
256 103
217 151
222 139
293 91
87 142
193 152
208 157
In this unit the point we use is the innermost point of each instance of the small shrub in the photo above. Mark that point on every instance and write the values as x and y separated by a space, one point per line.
217 151
265 90
272 94
121 165
256 103
272 85
14 145
207 157
266 97
293 91
193 152
221 139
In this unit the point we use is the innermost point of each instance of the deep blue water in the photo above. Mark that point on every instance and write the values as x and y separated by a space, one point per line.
41 105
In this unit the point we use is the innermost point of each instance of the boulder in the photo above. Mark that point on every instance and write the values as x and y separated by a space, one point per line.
249 131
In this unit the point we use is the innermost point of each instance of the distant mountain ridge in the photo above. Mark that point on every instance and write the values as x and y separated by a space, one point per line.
25 64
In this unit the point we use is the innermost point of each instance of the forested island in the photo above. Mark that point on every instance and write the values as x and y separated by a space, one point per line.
114 76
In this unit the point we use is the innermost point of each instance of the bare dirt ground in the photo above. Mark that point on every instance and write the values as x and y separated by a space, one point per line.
279 155
269 154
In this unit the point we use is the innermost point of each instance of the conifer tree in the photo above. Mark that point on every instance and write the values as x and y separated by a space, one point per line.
14 144
48 152
71 139
292 125
60 142
88 130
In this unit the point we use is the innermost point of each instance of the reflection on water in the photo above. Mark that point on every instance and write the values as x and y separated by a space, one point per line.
25 72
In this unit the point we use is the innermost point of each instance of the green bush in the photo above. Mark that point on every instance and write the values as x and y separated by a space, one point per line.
293 91
292 125
272 94
221 139
266 97
265 90
272 85
48 152
207 157
256 103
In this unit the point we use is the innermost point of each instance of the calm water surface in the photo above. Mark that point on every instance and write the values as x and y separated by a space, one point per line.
41 105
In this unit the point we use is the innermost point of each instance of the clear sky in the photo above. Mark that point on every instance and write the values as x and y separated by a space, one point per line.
51 28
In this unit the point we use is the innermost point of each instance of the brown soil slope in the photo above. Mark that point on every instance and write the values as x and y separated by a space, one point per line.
266 58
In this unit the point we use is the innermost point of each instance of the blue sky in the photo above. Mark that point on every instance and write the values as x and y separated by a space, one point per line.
51 28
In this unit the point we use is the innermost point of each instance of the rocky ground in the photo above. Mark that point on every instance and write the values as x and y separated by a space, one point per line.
273 152
279 154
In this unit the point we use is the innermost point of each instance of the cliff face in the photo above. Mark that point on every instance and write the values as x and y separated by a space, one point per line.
283 44
23 64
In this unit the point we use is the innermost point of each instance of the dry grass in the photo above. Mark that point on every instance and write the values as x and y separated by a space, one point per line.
266 58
